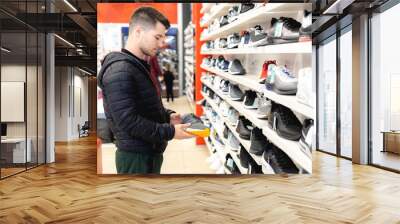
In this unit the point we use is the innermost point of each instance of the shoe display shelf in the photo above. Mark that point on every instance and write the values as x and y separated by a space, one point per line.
250 81
215 11
219 150
291 148
189 64
228 149
264 13
288 48
209 146
232 128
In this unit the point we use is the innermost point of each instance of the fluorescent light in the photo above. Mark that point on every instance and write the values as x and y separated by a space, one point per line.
70 5
5 50
65 41
86 72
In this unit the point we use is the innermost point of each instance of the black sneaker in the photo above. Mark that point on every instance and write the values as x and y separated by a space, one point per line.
249 99
223 21
305 142
254 168
226 131
284 122
279 161
244 128
244 158
236 68
230 165
235 93
225 87
244 7
258 142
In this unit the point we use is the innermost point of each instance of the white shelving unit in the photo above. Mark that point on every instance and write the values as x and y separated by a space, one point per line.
189 64
289 53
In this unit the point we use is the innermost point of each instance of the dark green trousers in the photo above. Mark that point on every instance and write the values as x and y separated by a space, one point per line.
131 162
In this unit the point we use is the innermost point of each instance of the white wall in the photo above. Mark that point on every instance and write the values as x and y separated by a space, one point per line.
70 83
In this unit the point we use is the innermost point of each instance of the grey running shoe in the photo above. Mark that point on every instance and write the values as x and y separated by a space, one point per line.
258 37
236 68
264 107
235 93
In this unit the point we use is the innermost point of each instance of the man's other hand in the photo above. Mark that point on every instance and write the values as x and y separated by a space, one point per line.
180 132
175 119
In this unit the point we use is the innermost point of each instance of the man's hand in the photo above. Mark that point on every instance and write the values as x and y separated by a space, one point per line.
175 119
180 132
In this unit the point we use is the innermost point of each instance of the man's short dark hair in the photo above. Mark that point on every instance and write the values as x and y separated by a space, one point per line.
148 17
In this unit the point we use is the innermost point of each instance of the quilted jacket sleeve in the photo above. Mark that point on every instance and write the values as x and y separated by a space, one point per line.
119 92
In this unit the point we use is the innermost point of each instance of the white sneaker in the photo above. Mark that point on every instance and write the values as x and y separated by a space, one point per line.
305 93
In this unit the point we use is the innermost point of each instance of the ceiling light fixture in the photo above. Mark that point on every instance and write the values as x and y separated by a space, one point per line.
5 50
70 5
64 40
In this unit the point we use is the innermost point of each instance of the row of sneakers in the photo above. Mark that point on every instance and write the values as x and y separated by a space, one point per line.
276 78
281 30
251 99
233 67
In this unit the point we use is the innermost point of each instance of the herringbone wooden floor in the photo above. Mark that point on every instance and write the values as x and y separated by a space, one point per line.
69 191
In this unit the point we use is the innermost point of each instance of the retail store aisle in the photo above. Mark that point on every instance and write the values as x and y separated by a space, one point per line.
184 156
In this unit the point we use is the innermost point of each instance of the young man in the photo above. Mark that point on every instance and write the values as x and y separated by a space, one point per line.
132 101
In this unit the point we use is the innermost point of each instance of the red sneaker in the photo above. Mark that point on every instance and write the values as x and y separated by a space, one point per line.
264 71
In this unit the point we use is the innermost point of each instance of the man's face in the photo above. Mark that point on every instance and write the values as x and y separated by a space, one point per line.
152 39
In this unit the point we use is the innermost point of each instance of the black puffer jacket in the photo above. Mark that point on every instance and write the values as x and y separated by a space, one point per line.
132 107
